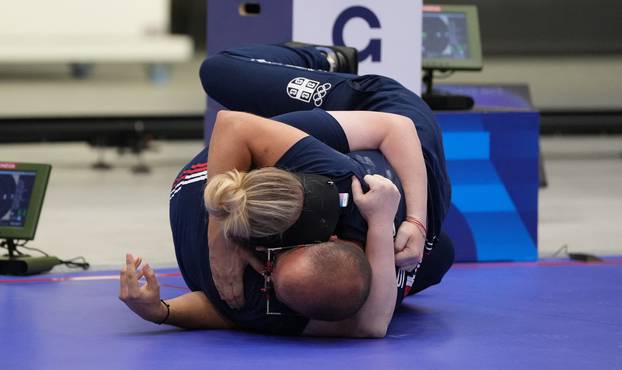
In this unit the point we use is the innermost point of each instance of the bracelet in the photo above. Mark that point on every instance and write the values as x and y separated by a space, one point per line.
168 312
415 221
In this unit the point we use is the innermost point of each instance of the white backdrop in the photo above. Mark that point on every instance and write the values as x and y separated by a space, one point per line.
399 33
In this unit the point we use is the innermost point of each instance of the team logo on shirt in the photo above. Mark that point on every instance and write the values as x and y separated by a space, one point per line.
304 89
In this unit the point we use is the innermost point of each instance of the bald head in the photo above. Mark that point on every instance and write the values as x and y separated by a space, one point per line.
327 281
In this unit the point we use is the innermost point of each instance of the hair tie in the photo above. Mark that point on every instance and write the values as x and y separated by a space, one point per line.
168 312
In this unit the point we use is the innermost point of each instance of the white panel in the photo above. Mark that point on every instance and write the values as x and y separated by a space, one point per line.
399 32
84 17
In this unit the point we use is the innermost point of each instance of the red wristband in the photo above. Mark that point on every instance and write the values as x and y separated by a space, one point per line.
415 221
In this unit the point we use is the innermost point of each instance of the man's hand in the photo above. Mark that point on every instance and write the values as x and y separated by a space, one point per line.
228 265
409 245
143 300
380 203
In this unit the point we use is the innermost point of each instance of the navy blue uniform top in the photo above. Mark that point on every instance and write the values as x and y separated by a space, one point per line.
324 153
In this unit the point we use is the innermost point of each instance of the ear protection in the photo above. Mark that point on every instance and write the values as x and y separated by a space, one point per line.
318 218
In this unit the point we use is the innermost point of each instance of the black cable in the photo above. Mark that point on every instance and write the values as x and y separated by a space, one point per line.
5 245
71 263
23 245
581 257
563 248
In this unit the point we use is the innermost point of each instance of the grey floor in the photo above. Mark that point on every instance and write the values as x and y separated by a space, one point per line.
121 89
102 215
582 205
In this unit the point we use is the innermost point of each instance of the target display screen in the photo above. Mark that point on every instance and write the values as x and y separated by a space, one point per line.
445 35
451 38
22 190
15 193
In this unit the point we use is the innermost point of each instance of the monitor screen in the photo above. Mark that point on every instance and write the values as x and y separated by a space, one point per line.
15 192
445 35
451 38
22 190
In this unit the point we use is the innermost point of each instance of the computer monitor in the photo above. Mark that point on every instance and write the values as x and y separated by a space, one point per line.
22 190
451 38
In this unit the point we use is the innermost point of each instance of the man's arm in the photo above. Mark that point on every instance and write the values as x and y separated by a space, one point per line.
378 206
240 141
191 311
396 137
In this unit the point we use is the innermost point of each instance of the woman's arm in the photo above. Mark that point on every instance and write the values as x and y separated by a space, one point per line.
396 137
240 141
191 311
243 141
194 311
378 206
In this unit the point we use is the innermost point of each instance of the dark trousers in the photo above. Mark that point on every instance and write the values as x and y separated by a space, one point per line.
434 265
269 80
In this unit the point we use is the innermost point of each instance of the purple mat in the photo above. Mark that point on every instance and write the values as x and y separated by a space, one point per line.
550 315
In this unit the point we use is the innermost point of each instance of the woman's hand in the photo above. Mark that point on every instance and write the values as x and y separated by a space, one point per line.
143 300
227 263
228 267
409 244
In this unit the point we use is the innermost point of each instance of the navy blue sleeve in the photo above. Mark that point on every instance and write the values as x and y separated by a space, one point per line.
309 155
319 124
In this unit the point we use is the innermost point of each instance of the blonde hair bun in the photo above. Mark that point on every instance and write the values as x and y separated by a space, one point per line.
226 194
259 203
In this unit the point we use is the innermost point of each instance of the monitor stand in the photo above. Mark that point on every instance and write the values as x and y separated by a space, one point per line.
443 101
15 263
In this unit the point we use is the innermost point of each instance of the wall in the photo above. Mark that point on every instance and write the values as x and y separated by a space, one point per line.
25 18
